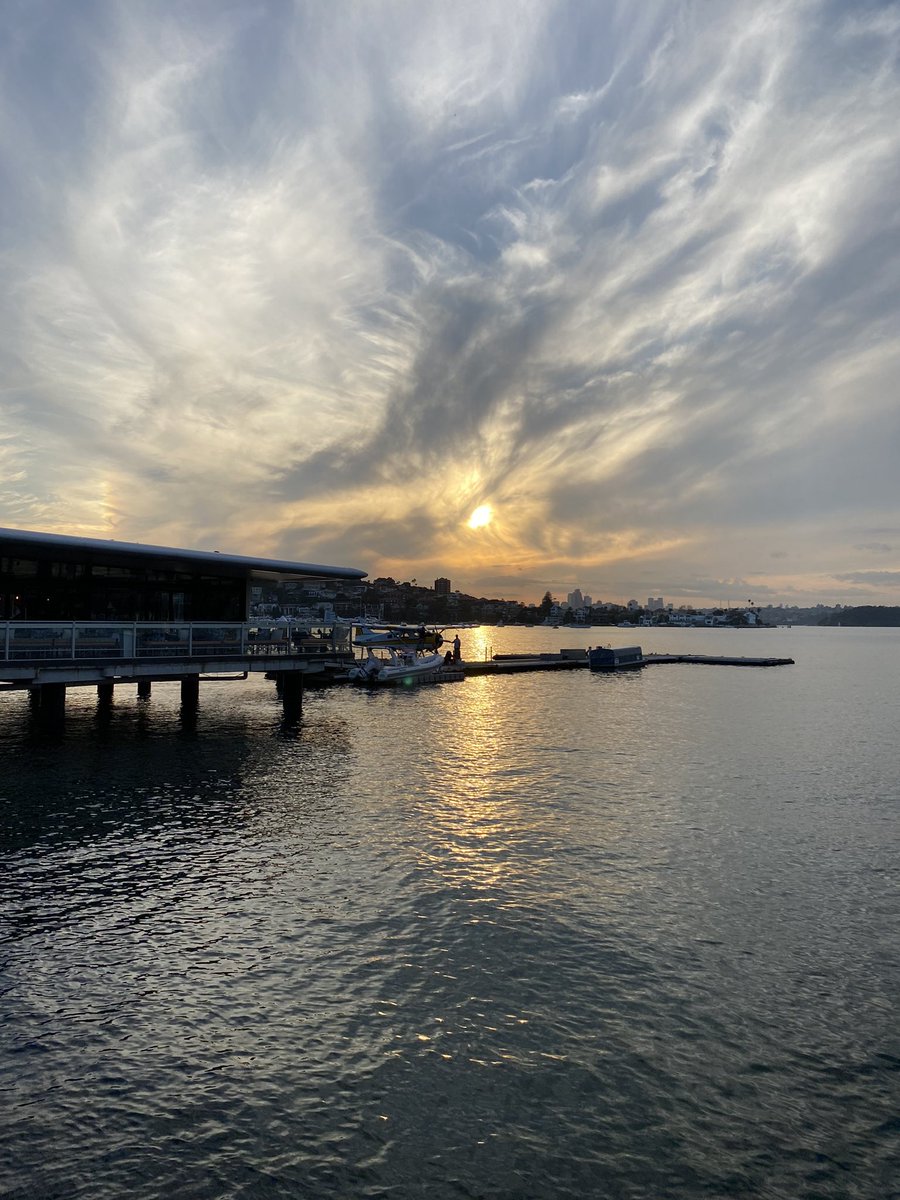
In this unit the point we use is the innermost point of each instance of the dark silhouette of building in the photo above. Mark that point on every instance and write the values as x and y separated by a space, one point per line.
50 577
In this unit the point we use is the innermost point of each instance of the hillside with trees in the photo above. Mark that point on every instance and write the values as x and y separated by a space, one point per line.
865 614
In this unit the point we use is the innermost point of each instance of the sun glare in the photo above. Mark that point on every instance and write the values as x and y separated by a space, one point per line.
481 516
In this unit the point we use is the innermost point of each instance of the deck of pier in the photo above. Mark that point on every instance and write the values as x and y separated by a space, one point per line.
45 659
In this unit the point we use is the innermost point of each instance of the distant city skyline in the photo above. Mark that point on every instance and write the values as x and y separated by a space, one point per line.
531 296
576 598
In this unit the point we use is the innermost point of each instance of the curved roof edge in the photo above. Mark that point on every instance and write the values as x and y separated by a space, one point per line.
264 568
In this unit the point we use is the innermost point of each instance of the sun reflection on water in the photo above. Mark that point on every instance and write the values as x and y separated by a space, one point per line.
487 836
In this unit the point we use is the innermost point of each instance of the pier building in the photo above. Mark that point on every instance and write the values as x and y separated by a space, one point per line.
81 611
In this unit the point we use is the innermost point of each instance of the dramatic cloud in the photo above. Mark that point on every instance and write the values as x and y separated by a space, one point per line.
319 280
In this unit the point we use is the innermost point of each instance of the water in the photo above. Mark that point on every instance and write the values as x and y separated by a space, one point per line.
559 935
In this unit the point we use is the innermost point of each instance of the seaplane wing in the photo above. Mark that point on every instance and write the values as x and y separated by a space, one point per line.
387 634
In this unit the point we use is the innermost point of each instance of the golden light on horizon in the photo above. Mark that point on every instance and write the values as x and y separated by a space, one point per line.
482 516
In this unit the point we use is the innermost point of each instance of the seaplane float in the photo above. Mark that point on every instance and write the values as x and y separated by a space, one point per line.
399 654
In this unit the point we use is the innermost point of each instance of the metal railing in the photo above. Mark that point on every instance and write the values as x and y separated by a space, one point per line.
70 641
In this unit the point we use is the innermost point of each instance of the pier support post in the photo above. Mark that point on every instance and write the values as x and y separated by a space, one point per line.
292 693
52 709
143 689
190 691
105 693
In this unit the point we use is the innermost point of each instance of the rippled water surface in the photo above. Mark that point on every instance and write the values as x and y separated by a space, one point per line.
557 935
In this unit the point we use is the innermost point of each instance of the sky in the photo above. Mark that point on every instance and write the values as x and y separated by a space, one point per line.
321 280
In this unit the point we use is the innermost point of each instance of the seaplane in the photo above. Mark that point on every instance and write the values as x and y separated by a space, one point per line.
397 653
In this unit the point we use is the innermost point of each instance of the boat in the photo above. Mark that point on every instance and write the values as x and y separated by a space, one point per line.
396 665
615 658
398 654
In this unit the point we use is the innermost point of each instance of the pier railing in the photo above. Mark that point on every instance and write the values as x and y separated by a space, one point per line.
83 641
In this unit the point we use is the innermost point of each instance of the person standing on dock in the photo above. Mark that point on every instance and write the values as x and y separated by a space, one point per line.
456 649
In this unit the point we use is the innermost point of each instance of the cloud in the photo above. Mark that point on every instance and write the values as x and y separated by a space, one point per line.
879 579
284 278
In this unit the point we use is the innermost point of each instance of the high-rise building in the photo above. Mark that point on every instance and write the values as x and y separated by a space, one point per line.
575 599
442 587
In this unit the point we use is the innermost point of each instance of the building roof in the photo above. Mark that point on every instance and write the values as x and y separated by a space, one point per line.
25 542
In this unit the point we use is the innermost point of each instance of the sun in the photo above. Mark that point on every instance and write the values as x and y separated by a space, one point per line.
482 516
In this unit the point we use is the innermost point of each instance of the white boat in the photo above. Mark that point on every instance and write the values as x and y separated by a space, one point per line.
398 653
395 664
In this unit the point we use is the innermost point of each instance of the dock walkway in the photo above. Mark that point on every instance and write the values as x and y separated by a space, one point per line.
567 660
717 660
510 664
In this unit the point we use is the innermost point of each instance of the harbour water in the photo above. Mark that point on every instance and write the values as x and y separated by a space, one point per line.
537 936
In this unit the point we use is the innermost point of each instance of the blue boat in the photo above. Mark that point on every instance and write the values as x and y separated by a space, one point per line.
615 658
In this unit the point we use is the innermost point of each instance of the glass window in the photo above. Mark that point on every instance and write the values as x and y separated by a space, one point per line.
22 567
